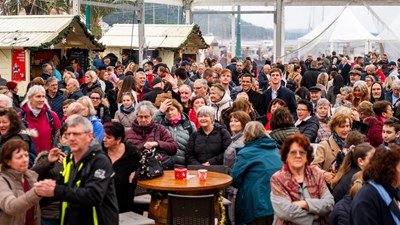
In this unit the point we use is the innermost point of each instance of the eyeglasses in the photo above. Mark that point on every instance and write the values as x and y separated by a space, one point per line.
295 153
144 117
301 110
95 98
74 134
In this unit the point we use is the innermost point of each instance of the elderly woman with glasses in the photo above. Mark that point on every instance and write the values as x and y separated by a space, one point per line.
208 144
299 193
307 122
323 113
146 134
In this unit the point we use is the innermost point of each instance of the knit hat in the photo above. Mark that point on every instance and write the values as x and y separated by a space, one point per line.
11 85
156 81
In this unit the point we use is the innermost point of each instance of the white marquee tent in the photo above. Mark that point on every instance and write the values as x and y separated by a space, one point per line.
341 33
390 39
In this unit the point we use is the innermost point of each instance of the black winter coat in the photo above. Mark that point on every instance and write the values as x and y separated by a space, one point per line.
123 167
309 128
341 212
103 113
286 95
210 148
310 78
86 90
96 188
152 95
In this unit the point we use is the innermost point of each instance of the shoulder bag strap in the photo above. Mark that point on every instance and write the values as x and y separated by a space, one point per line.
394 210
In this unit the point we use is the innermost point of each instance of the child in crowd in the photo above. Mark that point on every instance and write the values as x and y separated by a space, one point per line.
391 132
112 77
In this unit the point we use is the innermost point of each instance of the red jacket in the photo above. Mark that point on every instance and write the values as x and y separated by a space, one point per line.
374 134
193 118
44 139
139 135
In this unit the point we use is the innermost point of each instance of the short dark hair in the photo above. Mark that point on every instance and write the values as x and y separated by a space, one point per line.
380 107
115 129
276 101
301 140
393 122
9 147
281 118
306 103
207 73
276 69
158 58
181 73
15 122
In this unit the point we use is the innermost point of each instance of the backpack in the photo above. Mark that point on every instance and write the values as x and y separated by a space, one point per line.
291 84
49 118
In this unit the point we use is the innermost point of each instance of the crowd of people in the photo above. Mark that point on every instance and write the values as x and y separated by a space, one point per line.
308 142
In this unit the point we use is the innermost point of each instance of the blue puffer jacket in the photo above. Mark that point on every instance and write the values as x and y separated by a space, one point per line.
98 129
256 162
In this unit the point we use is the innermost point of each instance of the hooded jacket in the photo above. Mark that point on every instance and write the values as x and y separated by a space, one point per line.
256 162
374 134
42 125
224 103
210 148
14 202
280 134
96 190
139 135
180 133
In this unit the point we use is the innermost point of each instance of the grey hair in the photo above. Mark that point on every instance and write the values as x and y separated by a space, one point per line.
206 110
396 83
343 109
201 64
74 82
323 101
202 82
34 90
145 106
93 75
140 73
44 67
253 130
85 101
346 89
218 66
360 84
7 100
186 86
51 79
80 120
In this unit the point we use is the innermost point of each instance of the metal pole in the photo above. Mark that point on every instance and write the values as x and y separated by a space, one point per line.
279 35
233 35
88 16
142 40
238 40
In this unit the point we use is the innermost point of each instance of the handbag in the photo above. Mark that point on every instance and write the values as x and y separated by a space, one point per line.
167 161
150 165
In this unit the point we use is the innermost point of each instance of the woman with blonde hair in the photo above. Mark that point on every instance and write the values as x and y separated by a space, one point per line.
256 162
128 85
90 113
360 92
387 85
133 67
322 82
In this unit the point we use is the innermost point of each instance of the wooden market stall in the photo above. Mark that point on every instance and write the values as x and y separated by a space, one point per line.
165 40
26 42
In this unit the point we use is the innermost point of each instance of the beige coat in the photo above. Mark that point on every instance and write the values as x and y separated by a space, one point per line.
325 154
14 202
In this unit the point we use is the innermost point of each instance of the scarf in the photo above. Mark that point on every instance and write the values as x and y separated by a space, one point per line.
35 112
128 110
283 184
176 120
338 140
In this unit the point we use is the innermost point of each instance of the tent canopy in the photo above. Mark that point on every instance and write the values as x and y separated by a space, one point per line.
346 28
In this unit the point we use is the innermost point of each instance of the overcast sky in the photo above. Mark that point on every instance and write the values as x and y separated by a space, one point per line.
300 17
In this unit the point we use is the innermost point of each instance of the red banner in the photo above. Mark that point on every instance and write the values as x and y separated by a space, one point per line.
18 71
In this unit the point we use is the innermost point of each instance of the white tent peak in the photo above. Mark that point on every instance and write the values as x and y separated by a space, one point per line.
346 28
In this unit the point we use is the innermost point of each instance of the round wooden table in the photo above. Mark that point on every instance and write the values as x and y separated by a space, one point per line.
192 186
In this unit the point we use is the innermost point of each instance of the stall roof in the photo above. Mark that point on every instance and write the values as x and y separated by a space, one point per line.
169 36
40 32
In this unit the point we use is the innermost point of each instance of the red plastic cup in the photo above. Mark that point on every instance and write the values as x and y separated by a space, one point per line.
202 174
180 173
